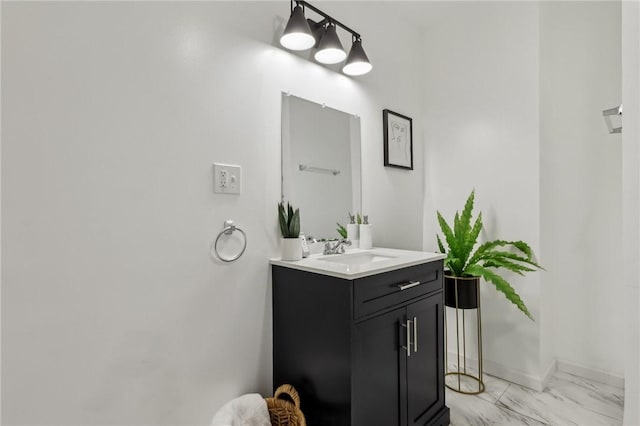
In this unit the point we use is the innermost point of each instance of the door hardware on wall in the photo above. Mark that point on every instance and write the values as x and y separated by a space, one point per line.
608 115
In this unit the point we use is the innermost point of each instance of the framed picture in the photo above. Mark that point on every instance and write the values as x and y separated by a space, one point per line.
398 140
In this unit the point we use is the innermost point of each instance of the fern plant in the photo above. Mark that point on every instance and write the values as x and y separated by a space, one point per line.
463 261
289 221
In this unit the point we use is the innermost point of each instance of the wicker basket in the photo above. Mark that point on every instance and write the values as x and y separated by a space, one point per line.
283 412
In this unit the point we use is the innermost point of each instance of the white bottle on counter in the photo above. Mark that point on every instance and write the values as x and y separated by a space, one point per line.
352 231
366 234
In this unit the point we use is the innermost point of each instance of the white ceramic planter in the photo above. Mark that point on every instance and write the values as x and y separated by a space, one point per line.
291 248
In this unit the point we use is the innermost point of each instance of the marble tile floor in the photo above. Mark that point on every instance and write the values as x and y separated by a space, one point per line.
567 400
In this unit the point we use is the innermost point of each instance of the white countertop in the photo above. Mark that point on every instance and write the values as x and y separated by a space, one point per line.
383 260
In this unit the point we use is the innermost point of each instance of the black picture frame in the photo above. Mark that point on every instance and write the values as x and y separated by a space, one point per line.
398 140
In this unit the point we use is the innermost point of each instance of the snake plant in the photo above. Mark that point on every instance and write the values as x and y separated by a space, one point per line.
341 230
463 261
289 221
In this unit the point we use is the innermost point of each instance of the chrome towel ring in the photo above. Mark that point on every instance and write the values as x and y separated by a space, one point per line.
229 228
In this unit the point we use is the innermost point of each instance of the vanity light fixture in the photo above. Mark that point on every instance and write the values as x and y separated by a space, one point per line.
297 35
357 62
303 34
330 50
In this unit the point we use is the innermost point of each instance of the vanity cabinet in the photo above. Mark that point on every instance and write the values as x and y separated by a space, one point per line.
367 351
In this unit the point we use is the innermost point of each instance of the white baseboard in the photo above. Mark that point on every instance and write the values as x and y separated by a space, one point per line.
591 373
551 370
539 383
509 374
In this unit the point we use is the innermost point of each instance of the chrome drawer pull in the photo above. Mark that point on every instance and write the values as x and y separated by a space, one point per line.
408 285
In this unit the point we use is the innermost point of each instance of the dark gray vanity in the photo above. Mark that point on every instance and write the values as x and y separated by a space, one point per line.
360 336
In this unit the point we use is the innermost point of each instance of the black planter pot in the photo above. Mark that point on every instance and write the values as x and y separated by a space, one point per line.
468 288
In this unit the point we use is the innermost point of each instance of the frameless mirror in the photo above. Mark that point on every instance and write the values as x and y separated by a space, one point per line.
320 165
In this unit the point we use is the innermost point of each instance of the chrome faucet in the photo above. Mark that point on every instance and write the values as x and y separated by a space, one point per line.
338 248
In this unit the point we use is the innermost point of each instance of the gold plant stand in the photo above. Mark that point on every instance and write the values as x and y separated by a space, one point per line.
460 307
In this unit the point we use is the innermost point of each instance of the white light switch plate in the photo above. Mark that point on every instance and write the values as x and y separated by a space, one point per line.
226 178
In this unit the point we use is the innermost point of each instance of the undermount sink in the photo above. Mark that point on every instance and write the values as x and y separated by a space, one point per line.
356 258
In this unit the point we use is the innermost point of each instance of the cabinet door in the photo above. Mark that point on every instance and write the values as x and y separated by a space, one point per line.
378 359
425 370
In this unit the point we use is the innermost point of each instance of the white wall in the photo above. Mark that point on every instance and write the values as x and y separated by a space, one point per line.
113 113
631 206
481 131
580 175
513 101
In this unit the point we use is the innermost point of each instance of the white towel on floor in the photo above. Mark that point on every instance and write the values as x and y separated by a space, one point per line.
246 410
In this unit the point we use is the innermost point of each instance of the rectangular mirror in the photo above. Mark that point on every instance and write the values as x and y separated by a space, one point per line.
320 165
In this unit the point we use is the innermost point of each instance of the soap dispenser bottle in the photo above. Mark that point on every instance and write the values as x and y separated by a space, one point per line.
366 235
352 231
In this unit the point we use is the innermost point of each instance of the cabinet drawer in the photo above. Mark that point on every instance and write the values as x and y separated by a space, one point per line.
379 291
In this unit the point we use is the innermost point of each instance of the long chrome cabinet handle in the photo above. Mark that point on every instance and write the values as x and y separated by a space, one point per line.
410 284
408 327
415 335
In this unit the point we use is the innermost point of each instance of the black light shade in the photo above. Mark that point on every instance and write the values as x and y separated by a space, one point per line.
330 50
357 61
302 34
297 34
